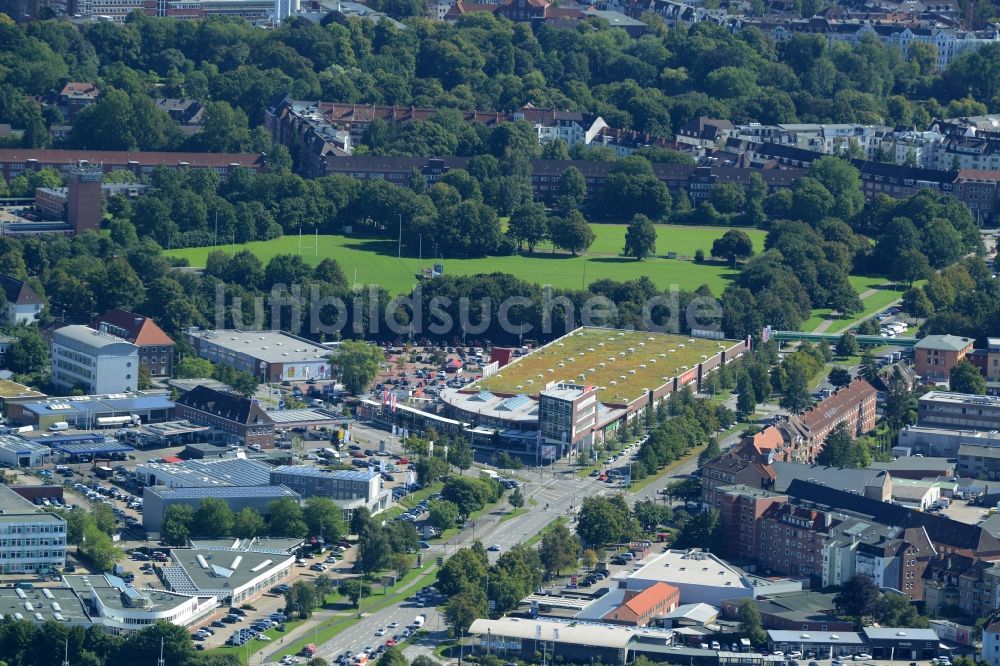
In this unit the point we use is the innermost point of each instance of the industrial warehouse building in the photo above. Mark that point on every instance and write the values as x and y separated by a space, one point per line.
157 499
91 411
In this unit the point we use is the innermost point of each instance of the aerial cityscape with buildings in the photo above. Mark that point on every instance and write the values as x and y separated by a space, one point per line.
505 332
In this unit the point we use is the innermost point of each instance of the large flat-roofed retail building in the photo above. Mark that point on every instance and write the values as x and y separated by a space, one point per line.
228 472
700 576
91 411
233 575
577 390
157 499
271 356
348 488
31 541
123 609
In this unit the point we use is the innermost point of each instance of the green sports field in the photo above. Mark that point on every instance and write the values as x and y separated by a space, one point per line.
374 261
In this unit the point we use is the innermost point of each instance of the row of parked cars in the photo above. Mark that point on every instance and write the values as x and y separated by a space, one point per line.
255 629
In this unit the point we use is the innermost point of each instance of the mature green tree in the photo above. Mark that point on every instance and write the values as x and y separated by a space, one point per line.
857 596
734 245
841 449
604 520
460 453
213 518
466 569
868 369
442 514
528 225
710 452
847 345
464 608
700 530
392 657
248 523
104 518
795 396
571 233
175 529
516 498
324 518
145 647
966 378
98 547
29 353
839 376
640 238
559 549
750 622
359 363
286 519
374 550
355 589
746 401
300 599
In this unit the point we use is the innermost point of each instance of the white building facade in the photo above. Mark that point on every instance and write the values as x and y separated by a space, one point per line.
95 361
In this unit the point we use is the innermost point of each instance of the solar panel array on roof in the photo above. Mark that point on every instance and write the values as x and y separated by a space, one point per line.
93 448
516 402
118 403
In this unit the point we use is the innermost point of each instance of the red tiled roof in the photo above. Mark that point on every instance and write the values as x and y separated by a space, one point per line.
651 597
835 408
141 330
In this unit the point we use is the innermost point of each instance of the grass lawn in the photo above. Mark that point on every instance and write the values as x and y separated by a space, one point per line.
884 295
374 260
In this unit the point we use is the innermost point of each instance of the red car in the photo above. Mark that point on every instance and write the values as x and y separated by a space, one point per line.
390 642
403 461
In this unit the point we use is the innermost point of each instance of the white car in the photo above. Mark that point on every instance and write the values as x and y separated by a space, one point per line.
380 632
794 655
263 637
777 653
392 625
862 656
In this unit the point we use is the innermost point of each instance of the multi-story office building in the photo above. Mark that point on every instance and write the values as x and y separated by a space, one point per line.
568 414
31 541
95 361
959 410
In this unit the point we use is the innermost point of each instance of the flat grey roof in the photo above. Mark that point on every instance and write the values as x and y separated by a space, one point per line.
694 568
111 588
901 633
224 472
307 470
813 637
84 335
12 503
224 492
63 601
226 569
21 446
285 416
268 346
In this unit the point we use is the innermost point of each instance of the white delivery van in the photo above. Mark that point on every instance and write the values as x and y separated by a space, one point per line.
59 426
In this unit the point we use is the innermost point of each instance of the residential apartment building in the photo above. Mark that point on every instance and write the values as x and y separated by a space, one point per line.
936 355
790 540
94 361
740 509
235 418
948 43
991 644
31 541
731 470
156 348
74 97
15 161
23 304
806 433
